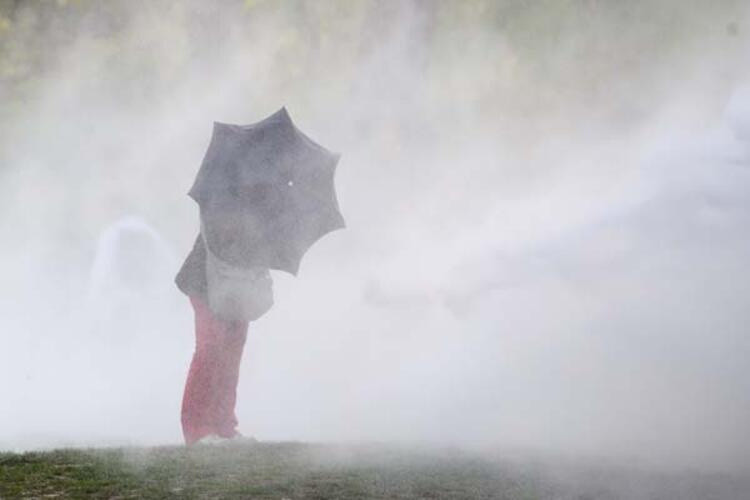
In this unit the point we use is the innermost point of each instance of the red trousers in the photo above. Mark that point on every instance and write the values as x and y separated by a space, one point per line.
211 387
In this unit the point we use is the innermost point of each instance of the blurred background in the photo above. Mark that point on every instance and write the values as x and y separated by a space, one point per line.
547 210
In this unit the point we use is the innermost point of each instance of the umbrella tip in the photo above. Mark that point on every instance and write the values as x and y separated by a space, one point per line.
283 116
219 126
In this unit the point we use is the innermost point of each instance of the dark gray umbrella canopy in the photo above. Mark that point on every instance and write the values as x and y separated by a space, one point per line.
266 193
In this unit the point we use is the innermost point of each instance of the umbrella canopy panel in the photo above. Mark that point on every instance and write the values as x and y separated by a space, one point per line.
266 193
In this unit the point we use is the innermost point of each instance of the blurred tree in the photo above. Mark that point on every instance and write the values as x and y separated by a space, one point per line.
570 49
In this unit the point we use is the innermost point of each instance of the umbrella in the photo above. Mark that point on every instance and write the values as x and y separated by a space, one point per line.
265 193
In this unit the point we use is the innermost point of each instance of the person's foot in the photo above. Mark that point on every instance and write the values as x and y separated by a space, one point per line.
212 439
239 438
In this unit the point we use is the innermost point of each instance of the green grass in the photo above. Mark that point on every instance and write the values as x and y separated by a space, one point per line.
277 470
318 471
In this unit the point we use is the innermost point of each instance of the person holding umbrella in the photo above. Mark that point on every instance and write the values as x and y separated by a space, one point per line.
266 194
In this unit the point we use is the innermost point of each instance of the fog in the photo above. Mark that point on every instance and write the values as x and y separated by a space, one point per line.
546 206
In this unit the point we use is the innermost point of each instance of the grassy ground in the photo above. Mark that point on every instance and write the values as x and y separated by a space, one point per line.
296 470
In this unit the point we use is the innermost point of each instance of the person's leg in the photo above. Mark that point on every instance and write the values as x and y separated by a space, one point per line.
200 396
235 334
